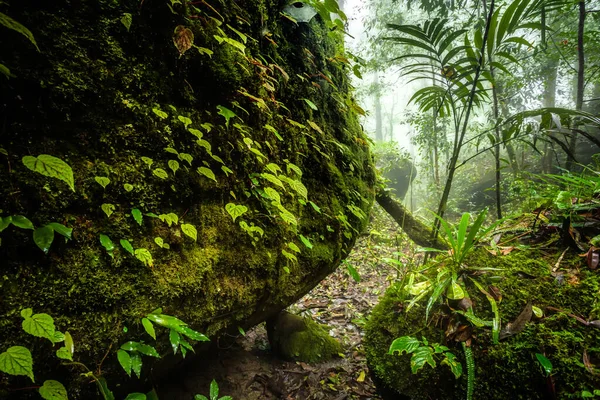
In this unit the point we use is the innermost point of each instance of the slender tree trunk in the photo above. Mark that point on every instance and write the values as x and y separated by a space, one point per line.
378 111
580 82
504 111
436 155
550 76
594 104
391 121
458 145
497 148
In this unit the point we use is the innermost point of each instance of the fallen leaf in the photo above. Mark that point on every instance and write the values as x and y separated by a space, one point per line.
518 325
495 292
361 377
183 39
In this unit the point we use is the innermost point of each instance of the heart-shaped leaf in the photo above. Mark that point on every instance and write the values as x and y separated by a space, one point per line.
51 166
16 360
235 210
53 390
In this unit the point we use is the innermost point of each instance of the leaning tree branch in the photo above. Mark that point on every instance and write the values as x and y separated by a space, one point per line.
416 230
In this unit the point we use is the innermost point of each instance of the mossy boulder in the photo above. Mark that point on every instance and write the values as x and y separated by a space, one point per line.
236 170
301 339
509 369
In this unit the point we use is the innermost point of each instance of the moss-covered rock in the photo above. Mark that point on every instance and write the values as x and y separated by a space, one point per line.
508 370
301 339
177 134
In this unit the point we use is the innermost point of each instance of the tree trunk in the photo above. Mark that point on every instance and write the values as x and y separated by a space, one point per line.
416 230
378 110
497 149
550 75
580 83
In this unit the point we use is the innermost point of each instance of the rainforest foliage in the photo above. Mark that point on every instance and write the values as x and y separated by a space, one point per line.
174 172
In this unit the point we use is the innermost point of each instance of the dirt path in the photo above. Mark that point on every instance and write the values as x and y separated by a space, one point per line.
248 371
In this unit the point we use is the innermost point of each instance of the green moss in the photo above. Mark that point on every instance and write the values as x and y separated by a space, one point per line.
508 369
88 98
301 339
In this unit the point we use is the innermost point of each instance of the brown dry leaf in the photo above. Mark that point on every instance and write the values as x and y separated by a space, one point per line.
183 39
517 326
464 333
506 250
587 363
593 258
495 293
573 280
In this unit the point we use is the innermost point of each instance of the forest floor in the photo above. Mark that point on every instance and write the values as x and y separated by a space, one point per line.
248 370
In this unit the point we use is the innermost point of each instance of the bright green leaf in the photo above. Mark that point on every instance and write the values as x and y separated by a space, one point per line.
353 272
310 104
455 292
148 161
102 181
144 256
61 229
40 325
404 343
52 167
64 354
421 356
214 390
545 363
161 173
127 246
69 344
136 364
207 172
53 390
16 360
21 222
108 209
125 361
159 113
305 241
235 210
107 243
190 231
174 165
126 20
136 396
149 328
226 113
137 215
175 340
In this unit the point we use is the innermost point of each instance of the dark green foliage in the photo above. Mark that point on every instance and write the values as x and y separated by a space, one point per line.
108 99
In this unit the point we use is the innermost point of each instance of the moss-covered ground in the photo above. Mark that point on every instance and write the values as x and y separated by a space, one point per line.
562 287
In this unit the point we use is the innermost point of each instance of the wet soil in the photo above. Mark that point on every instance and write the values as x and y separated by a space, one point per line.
248 370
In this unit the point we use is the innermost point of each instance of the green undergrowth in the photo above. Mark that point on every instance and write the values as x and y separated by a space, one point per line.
508 369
